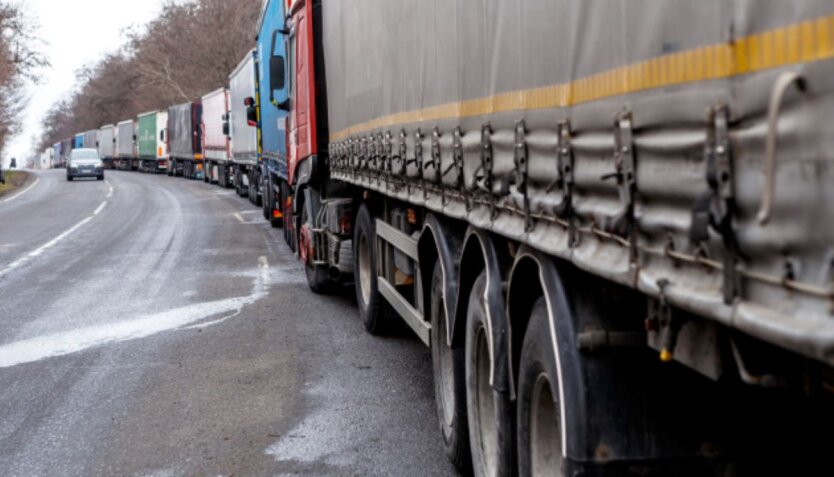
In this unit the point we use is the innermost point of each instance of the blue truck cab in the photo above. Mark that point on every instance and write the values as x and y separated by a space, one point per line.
78 141
272 120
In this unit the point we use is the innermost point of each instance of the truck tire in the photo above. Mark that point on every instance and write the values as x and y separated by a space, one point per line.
241 191
449 370
491 414
207 174
371 304
317 277
269 198
539 426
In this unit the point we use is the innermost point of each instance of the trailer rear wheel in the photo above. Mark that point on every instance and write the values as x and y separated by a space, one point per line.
539 416
491 413
449 370
371 305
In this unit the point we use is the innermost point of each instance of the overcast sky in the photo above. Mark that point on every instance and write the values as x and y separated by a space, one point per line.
76 33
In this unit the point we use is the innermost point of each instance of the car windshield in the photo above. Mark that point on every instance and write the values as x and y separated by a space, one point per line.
84 154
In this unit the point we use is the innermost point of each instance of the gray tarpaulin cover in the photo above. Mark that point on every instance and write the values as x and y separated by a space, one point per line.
181 131
481 99
90 139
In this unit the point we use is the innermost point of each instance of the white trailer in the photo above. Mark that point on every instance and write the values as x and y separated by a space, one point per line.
216 141
244 122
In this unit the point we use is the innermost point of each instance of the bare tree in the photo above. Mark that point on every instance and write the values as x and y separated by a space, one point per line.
186 52
19 59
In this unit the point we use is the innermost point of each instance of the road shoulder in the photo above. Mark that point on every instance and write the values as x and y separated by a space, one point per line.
15 180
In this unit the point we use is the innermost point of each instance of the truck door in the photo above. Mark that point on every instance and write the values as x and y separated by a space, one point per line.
301 134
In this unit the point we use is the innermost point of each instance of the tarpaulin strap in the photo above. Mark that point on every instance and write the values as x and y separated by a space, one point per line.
565 180
714 208
521 170
435 154
403 152
622 224
417 160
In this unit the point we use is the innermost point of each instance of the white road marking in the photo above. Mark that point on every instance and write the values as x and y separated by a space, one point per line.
239 218
73 341
109 190
43 248
19 194
100 208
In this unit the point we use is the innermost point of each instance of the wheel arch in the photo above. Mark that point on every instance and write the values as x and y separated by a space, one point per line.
438 242
535 275
481 254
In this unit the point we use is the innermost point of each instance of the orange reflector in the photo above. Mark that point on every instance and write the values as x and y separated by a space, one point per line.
276 214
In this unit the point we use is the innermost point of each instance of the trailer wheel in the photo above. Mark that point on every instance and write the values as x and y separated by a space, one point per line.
539 415
317 277
449 370
207 173
491 413
371 305
241 191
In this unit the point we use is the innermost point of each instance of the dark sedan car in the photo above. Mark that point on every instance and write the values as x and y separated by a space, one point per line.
85 163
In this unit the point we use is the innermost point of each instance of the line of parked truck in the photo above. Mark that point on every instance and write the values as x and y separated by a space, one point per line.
590 240
216 139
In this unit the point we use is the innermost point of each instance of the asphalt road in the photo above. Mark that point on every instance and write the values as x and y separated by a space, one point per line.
152 326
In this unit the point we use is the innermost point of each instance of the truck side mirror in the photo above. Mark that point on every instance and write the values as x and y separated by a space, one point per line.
162 135
226 129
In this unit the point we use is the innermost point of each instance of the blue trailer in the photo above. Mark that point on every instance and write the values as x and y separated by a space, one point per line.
272 121
78 141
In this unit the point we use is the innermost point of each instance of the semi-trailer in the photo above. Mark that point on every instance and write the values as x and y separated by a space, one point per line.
152 147
613 236
185 143
66 149
91 139
272 119
244 130
216 141
57 162
126 154
107 145
45 159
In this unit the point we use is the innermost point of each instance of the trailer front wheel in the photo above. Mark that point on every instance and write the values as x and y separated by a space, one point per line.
370 302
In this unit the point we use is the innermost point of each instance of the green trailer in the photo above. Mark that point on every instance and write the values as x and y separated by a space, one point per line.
152 150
